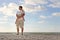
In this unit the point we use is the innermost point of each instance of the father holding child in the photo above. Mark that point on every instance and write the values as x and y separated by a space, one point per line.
20 20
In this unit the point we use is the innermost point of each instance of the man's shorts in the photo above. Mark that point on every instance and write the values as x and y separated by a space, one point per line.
20 23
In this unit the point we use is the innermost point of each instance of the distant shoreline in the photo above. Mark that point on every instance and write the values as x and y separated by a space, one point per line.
35 32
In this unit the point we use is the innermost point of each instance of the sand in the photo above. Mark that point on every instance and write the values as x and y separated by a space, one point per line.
30 36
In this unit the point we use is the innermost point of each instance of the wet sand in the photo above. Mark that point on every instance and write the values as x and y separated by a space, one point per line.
30 36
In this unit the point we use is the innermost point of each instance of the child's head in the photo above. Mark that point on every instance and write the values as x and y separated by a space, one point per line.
20 7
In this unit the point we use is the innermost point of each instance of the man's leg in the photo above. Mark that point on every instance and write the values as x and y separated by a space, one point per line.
22 29
21 25
17 30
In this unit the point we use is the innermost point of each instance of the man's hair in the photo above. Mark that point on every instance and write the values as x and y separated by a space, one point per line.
20 6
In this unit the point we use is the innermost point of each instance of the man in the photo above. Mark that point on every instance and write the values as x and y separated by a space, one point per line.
20 20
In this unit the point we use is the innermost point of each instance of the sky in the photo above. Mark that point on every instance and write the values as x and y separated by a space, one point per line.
40 15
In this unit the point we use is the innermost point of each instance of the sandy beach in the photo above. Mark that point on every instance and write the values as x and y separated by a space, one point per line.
30 36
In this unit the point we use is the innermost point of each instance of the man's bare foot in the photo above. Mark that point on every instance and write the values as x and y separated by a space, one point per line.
17 33
21 33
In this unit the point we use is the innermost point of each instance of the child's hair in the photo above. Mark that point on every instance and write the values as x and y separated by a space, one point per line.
20 6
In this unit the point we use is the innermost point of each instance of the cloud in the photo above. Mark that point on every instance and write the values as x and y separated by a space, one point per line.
44 17
3 19
34 2
55 3
9 9
7 28
32 8
28 5
56 14
2 29
41 22
34 5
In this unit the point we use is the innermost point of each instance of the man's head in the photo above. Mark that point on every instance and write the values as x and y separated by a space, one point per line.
20 7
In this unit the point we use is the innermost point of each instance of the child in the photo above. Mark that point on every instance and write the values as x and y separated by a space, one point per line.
20 19
19 16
